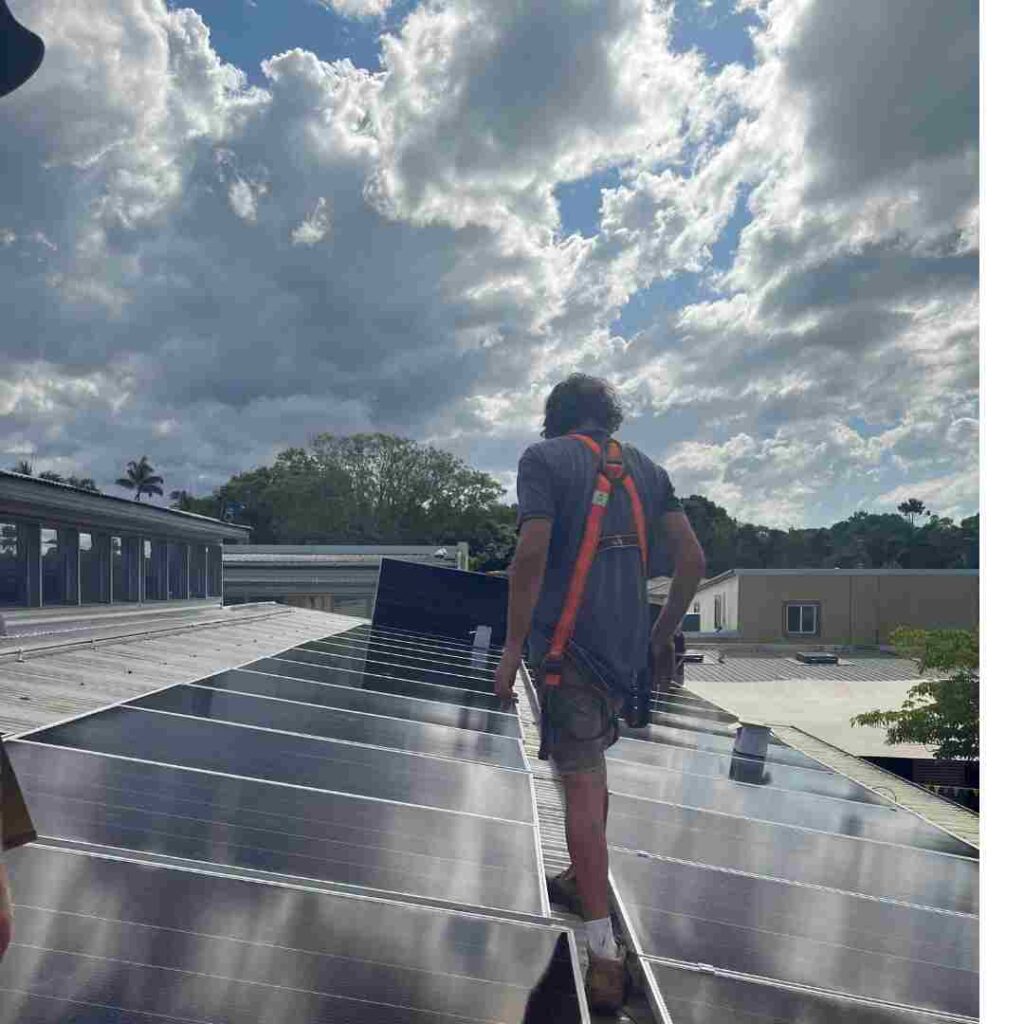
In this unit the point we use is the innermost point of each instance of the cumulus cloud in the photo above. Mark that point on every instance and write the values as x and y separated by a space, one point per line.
215 269
359 8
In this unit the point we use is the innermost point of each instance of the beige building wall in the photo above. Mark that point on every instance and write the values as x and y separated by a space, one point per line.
852 609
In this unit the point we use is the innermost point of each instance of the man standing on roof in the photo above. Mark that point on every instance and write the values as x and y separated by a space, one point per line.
585 499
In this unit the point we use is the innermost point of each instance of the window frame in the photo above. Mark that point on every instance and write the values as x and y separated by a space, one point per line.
816 608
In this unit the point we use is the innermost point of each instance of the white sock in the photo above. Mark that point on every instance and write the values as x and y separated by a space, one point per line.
601 938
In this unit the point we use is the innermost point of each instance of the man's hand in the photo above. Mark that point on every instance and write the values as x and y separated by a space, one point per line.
6 914
664 655
505 675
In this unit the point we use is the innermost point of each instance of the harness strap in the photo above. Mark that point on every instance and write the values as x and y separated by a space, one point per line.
610 473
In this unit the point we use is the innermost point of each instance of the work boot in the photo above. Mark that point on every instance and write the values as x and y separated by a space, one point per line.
606 982
563 890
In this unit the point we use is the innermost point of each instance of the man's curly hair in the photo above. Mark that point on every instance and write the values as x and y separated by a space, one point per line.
581 399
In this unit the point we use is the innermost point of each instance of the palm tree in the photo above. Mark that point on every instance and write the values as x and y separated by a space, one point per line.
24 467
139 477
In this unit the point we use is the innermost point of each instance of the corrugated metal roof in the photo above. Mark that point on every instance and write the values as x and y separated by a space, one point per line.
130 506
836 572
51 676
740 668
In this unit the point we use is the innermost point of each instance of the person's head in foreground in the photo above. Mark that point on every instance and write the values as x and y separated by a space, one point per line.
581 402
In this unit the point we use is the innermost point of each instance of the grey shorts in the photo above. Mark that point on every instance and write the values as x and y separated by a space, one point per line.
583 713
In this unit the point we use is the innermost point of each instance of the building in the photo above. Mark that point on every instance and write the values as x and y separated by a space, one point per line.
830 607
332 578
61 547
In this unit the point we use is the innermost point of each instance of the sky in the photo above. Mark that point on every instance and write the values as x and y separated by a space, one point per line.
230 225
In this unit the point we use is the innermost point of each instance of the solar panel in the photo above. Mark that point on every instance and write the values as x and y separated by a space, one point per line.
416 643
671 730
472 664
420 673
103 940
338 724
800 934
371 702
260 827
302 761
309 665
715 765
427 599
825 814
904 873
691 994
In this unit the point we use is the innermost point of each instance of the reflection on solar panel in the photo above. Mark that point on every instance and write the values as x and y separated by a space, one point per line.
103 940
780 890
209 849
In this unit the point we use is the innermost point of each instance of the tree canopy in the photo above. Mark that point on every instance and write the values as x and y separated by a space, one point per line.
944 712
867 540
365 489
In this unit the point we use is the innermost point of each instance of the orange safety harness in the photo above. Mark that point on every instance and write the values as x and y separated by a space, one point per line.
611 473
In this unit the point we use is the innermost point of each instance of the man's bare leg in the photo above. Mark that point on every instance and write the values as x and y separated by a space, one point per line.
586 811
6 912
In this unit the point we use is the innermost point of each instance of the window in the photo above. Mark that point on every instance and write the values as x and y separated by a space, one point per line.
197 571
56 557
119 568
696 607
13 578
150 570
719 611
177 570
90 567
214 571
802 619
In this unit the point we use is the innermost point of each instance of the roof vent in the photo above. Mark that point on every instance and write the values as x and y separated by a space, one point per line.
817 658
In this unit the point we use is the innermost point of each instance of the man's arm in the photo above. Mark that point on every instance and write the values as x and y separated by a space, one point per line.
525 577
689 566
6 913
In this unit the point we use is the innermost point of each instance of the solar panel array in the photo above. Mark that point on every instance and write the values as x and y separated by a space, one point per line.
345 831
779 890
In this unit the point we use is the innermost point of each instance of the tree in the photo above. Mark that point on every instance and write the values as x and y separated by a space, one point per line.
48 474
24 467
364 489
943 712
85 483
139 477
912 508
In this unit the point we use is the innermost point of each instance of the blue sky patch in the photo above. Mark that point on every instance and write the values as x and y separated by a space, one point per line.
245 32
579 202
716 29
724 250
648 304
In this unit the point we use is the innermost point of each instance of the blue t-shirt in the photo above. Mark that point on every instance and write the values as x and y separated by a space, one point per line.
556 481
